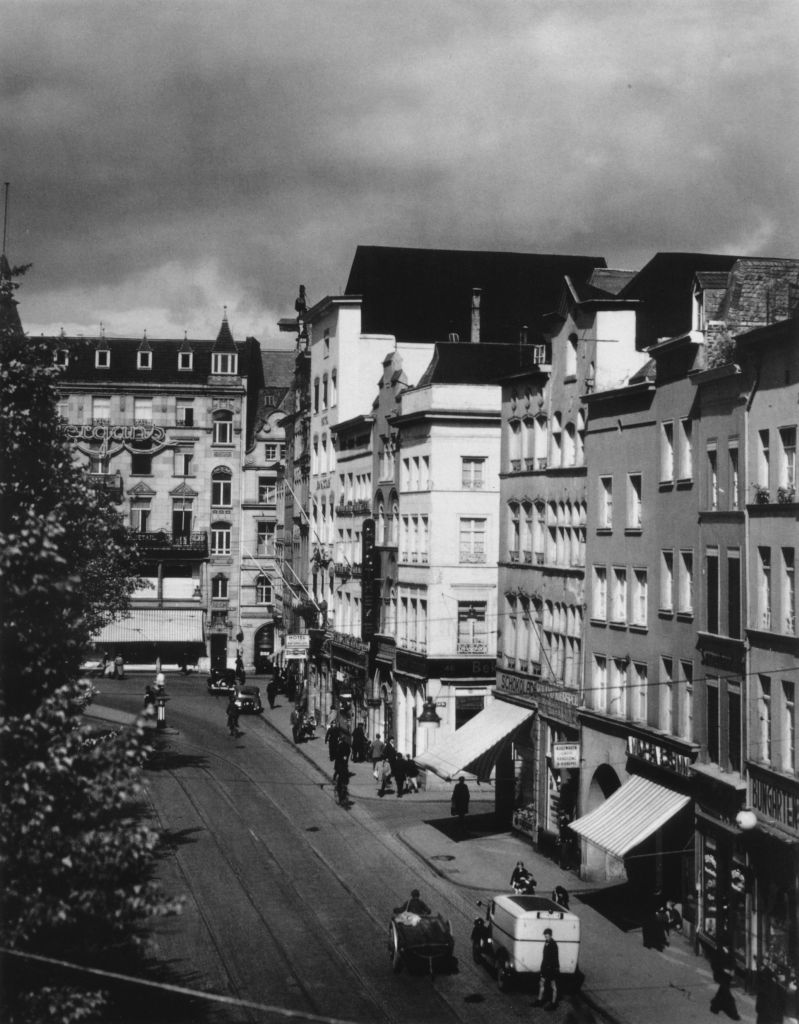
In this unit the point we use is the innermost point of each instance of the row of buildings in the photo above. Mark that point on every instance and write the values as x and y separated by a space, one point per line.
532 516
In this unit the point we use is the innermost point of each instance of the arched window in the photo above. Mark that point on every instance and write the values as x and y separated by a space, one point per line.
394 525
221 487
324 392
219 586
223 428
316 395
263 590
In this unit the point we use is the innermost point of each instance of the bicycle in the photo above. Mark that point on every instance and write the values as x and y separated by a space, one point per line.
341 789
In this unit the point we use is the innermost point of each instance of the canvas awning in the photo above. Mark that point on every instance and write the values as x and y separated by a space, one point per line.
474 747
154 626
636 810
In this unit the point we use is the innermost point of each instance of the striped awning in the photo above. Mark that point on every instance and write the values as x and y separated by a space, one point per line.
155 626
474 747
636 810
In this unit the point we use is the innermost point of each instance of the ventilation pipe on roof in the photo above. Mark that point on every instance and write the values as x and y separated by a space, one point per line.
476 294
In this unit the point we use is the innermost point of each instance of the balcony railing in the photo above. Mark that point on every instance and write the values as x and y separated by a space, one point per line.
514 554
515 465
542 463
539 558
467 556
528 557
790 624
161 541
765 619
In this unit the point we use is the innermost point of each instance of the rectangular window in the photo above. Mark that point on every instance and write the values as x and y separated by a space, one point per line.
734 727
712 585
184 412
686 469
271 451
600 592
617 690
640 692
788 729
141 462
102 358
763 459
473 473
712 479
181 517
666 695
219 587
472 632
223 429
267 491
734 593
713 719
143 410
666 452
764 587
666 580
640 597
685 596
606 502
144 360
763 730
220 540
185 360
139 515
221 491
634 509
264 538
687 702
472 540
619 595
101 409
788 462
183 459
600 683
789 591
263 590
734 482
223 363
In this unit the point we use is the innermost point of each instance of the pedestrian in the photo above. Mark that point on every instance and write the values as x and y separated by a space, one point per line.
384 777
653 927
550 973
271 691
390 750
460 803
119 667
158 664
149 700
673 918
415 905
398 771
359 743
232 716
412 774
561 897
770 1002
376 754
723 965
331 722
518 875
240 674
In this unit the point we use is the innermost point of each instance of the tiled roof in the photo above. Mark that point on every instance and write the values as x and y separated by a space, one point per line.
712 279
464 363
663 287
759 291
426 294
610 280
278 366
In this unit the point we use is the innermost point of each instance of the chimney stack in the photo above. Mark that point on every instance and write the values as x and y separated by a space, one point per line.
476 294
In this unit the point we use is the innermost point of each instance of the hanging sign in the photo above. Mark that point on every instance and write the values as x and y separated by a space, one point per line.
565 755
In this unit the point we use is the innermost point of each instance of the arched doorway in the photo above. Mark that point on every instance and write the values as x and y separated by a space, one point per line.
596 863
264 647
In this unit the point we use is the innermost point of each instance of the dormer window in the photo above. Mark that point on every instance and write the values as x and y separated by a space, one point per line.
144 359
185 360
102 358
224 363
61 357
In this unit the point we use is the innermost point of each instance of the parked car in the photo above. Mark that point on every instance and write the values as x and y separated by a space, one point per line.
221 681
248 700
510 938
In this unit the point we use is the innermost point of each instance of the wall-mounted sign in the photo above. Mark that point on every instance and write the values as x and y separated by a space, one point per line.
296 646
565 755
110 432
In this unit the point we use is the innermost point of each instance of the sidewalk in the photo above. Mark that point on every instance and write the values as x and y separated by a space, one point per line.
624 982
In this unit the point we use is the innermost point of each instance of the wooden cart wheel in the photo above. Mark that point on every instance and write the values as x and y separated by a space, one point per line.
394 950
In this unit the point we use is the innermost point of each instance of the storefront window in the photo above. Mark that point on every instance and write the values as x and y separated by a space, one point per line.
709 909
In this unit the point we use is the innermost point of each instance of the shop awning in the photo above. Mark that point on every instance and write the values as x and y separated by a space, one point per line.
474 747
628 816
154 626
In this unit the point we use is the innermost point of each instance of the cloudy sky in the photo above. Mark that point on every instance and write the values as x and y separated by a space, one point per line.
168 158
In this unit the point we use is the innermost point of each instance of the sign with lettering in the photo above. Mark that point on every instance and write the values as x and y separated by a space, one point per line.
297 645
657 753
776 801
565 755
110 432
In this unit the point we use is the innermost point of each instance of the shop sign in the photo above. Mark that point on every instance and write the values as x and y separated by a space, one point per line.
656 753
536 689
297 645
565 755
109 432
776 803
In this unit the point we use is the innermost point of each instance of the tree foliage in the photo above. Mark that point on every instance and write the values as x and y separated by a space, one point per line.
76 855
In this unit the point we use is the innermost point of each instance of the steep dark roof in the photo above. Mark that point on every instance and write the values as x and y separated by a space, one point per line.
465 363
426 294
278 366
663 287
224 340
10 322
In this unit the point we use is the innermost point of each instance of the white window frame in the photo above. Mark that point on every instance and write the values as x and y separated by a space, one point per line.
185 361
224 364
640 597
102 358
144 359
221 534
667 451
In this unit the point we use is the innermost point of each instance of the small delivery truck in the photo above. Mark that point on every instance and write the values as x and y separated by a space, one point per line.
510 938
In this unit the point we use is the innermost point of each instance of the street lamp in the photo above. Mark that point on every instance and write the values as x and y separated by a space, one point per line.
428 714
746 819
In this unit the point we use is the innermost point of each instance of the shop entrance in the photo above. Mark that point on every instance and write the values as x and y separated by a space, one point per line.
219 651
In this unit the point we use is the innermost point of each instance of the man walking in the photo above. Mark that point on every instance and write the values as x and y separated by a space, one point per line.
376 753
232 716
460 803
550 972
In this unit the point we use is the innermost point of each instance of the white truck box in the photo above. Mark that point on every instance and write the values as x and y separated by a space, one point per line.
517 926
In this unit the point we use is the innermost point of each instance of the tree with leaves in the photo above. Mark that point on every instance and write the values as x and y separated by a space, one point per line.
76 855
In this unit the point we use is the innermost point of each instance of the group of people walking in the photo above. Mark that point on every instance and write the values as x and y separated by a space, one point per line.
389 764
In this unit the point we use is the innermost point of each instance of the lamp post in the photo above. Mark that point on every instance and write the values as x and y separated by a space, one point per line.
160 701
428 715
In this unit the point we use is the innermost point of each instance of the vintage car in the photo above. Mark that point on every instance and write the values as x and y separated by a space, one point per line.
510 938
420 941
222 681
248 700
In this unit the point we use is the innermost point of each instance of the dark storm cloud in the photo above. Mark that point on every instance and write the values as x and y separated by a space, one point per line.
167 158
